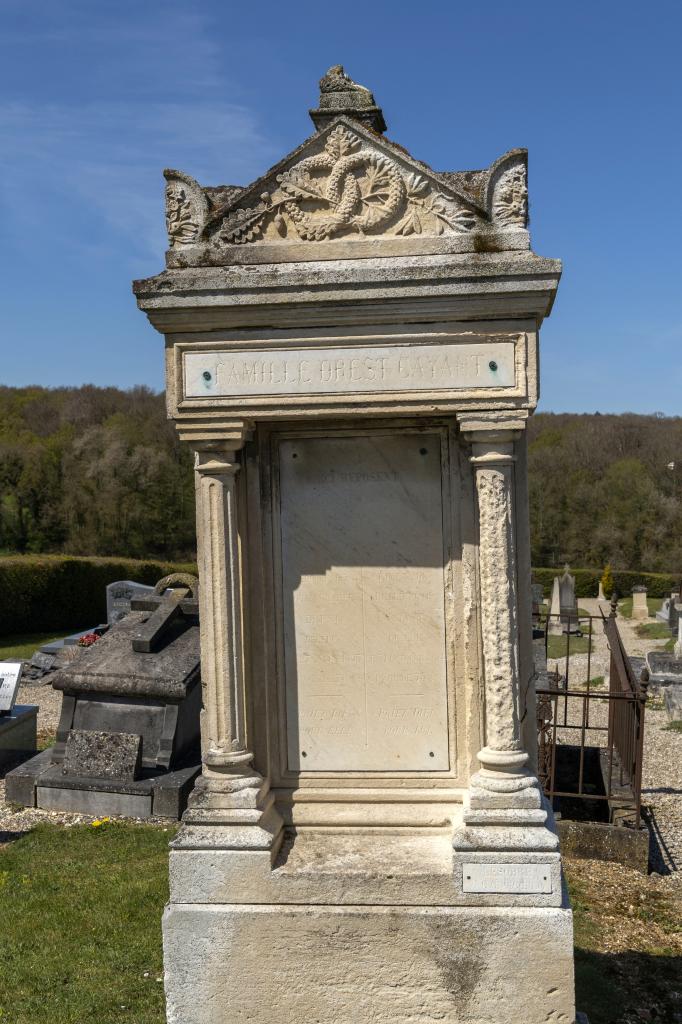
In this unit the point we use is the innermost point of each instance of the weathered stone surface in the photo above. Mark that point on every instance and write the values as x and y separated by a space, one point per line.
594 840
346 249
350 613
383 964
109 755
111 666
664 668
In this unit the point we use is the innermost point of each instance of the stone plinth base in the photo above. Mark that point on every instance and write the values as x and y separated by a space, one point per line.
385 964
40 783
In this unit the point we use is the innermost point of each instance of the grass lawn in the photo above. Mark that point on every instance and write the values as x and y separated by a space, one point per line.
625 606
80 941
653 631
556 645
20 646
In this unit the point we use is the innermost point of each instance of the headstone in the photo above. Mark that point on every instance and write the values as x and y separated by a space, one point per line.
663 614
673 611
10 678
128 735
640 608
352 357
678 642
568 603
120 595
601 596
537 598
663 668
556 626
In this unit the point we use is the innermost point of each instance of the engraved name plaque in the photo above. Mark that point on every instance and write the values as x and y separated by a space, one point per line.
517 879
362 596
351 370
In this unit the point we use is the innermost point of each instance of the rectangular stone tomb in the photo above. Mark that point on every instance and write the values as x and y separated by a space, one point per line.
362 693
128 734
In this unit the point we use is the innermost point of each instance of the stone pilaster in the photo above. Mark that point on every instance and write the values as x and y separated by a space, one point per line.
230 792
504 809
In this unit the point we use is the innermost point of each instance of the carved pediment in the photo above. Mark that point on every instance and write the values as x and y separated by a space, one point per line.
345 184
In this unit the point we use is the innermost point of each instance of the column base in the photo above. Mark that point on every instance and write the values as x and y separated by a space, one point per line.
232 813
507 845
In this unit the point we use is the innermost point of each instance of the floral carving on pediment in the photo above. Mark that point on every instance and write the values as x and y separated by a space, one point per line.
185 209
510 197
347 189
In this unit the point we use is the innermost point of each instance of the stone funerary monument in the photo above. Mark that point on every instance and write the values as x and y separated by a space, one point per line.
351 349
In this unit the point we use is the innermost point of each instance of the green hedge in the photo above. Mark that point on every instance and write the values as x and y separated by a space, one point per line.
587 581
55 593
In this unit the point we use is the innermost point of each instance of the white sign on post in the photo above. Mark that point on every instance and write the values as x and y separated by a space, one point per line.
10 676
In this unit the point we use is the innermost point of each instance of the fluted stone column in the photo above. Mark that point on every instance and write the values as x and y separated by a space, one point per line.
505 809
229 792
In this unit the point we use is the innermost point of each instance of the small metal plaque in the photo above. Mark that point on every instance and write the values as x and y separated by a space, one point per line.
10 675
514 879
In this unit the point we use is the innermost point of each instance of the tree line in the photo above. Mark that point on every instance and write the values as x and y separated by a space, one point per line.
100 471
95 471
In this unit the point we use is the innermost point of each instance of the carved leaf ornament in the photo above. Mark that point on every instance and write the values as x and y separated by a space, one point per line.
510 202
181 223
345 189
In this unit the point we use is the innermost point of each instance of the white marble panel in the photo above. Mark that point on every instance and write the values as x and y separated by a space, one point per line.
363 603
358 369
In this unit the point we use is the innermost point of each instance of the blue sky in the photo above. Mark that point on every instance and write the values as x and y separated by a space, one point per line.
97 97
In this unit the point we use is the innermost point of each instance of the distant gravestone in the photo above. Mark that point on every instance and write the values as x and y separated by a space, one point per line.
663 615
678 642
10 677
640 609
554 623
119 596
674 611
601 596
536 599
567 602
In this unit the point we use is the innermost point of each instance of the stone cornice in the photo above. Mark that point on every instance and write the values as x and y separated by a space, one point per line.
471 286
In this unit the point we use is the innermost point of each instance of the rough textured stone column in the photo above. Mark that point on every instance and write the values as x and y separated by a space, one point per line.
505 808
493 461
230 792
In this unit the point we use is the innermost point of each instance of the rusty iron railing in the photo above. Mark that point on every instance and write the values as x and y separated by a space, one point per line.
567 705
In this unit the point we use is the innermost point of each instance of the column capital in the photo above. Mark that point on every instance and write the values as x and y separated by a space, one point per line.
208 433
492 428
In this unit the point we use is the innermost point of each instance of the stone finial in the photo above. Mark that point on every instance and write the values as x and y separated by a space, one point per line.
339 94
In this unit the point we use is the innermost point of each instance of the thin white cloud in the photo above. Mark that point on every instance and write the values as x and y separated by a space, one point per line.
155 96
